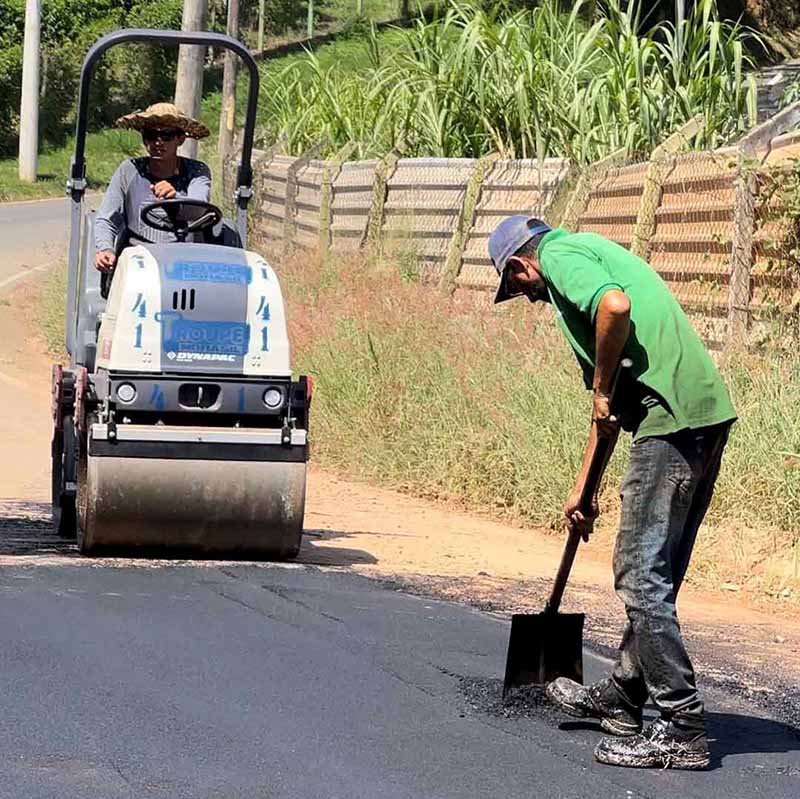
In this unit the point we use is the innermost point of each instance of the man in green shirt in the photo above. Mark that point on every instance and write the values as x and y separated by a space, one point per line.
610 304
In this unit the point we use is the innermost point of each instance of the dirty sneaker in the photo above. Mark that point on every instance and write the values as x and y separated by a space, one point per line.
599 701
663 744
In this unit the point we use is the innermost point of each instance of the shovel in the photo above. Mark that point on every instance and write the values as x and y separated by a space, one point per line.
547 645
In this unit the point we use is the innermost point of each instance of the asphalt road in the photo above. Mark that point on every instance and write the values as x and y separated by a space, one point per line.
32 234
292 681
267 681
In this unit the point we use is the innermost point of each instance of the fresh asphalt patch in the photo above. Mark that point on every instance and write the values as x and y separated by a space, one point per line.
250 680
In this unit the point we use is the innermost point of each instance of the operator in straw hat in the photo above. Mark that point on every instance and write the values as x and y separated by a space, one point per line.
160 175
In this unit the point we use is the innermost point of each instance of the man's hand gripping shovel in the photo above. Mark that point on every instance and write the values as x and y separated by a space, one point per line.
546 645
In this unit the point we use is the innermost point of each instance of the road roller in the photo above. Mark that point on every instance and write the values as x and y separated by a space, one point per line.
178 426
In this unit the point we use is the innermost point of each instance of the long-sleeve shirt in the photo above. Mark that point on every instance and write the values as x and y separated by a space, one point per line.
129 190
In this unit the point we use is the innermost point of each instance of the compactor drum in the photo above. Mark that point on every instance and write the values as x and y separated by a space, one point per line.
177 425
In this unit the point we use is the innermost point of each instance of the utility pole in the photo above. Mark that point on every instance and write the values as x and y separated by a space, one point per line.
260 24
189 83
228 114
29 107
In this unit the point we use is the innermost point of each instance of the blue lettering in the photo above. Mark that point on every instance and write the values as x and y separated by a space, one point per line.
210 272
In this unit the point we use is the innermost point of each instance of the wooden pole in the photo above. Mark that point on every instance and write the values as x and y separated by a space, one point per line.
29 107
227 119
189 83
310 20
260 24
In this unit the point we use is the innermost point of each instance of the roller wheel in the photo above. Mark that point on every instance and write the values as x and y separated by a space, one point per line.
82 508
64 458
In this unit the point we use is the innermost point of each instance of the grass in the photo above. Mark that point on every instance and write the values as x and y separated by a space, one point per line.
52 311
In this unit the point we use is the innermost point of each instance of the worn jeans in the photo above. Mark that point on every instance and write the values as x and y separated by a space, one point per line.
665 495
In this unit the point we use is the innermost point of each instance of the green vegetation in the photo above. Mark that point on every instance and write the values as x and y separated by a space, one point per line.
528 83
124 78
791 94
130 77
52 311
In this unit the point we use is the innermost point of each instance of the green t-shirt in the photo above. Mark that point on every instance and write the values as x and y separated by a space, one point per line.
677 384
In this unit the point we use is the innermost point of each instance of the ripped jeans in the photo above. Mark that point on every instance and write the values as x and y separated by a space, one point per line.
665 495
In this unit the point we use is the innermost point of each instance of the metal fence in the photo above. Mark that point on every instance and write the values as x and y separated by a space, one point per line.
720 227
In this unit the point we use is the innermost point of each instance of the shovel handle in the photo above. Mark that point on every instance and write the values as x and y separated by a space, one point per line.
593 476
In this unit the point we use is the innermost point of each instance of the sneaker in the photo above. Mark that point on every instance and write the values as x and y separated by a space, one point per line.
599 701
662 745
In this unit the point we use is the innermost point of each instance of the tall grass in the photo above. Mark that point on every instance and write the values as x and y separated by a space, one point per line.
488 409
526 84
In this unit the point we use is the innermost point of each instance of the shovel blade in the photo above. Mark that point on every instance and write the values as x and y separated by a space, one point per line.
543 646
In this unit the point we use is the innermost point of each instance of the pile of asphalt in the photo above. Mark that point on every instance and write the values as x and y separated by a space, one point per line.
486 696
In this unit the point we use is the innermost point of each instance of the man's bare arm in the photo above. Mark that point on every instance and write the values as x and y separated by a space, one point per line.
612 326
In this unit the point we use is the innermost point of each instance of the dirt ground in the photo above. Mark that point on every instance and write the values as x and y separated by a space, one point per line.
751 645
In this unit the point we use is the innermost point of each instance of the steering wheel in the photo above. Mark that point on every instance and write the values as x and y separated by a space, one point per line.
180 216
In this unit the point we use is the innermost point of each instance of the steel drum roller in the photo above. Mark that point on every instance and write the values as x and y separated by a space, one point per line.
206 506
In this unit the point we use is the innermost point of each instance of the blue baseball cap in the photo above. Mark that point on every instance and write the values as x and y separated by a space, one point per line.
506 239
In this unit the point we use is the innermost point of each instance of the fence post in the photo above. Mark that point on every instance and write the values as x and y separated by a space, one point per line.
744 218
662 162
452 264
383 173
329 175
580 194
290 213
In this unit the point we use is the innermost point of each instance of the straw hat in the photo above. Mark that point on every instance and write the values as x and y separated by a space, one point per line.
164 115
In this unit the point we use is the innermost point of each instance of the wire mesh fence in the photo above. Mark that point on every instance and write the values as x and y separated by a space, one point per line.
719 228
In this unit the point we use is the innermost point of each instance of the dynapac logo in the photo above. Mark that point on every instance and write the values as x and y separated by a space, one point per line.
200 356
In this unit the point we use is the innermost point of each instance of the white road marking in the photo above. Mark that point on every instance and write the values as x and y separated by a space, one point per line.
60 199
31 202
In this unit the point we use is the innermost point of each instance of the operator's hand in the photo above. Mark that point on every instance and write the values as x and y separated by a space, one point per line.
163 190
104 260
576 518
607 424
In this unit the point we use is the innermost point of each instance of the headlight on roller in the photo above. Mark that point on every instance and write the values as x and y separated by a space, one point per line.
126 392
273 398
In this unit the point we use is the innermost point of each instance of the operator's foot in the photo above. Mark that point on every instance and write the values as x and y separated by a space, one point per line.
599 701
664 744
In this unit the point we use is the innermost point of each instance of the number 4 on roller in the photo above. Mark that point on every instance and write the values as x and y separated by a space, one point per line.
263 309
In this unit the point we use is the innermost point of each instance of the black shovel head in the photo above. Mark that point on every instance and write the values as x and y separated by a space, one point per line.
544 646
